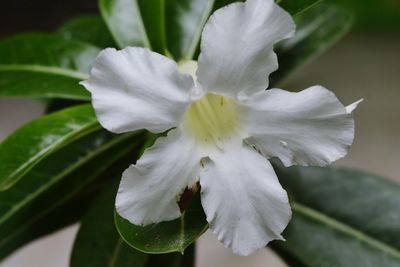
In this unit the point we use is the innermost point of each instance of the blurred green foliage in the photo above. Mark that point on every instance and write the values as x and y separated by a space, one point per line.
374 14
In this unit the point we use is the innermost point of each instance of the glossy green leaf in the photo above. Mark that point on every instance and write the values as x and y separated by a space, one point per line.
55 181
88 29
98 243
123 18
318 29
341 218
153 15
165 237
296 6
44 65
33 142
185 22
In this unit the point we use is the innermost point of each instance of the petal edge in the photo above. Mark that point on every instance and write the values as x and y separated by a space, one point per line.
135 88
310 127
246 207
237 46
149 190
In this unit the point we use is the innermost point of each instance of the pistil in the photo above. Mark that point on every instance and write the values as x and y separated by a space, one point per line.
212 119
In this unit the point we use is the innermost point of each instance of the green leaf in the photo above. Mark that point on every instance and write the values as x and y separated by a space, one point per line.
44 65
296 6
36 140
221 3
123 18
98 243
317 30
88 29
172 259
53 182
185 22
153 15
165 237
64 215
53 105
341 218
374 15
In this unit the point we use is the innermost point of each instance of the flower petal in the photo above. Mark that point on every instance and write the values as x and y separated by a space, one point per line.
237 46
311 127
246 207
135 88
149 191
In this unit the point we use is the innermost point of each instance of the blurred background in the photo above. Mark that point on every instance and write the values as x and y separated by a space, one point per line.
365 64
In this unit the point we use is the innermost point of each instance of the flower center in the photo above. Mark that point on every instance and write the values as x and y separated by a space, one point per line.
213 118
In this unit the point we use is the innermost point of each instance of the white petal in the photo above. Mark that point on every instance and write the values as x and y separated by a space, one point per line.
135 88
246 207
311 127
350 108
149 191
237 46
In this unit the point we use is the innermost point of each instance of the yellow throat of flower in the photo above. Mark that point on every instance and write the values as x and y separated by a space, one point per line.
212 119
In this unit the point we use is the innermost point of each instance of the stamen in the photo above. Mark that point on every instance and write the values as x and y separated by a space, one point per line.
212 119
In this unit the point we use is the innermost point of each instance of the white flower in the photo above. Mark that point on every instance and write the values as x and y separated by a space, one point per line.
224 126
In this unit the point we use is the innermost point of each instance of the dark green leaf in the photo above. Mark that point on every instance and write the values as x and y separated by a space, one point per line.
296 6
374 15
29 81
220 3
89 29
53 182
185 21
30 144
125 22
64 215
165 237
317 30
172 259
44 65
188 258
98 243
153 15
53 105
341 218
